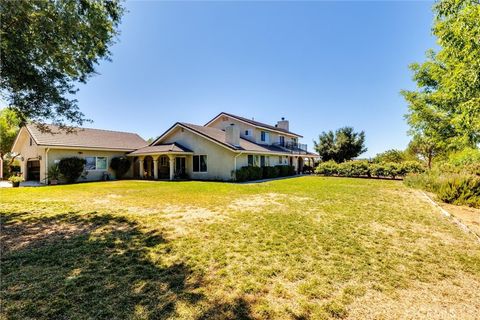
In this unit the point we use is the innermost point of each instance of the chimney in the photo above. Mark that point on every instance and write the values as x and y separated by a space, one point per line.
283 124
232 135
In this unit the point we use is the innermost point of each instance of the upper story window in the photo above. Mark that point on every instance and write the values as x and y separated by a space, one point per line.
281 140
264 136
31 141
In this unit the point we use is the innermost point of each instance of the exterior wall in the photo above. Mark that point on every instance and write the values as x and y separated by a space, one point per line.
29 152
224 121
220 161
55 155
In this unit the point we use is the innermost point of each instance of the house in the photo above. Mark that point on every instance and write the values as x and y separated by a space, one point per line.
213 151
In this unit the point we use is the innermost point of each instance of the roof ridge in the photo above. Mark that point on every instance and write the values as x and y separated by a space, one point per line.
107 130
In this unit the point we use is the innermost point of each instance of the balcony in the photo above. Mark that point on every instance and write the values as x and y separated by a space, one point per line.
294 147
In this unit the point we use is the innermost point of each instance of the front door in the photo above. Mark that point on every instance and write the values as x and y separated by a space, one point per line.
180 167
33 170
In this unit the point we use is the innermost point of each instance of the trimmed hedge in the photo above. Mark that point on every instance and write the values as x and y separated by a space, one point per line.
250 173
362 168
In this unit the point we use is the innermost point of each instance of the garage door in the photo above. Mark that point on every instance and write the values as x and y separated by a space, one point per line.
33 170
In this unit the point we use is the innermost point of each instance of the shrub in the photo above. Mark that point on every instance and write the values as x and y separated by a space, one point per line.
460 189
411 167
249 173
354 169
120 165
327 168
377 170
71 168
391 169
465 157
16 179
270 172
54 172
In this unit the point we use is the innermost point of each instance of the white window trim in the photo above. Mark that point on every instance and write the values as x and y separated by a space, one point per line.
193 162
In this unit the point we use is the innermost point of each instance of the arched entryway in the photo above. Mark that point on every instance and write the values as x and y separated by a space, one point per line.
148 167
300 165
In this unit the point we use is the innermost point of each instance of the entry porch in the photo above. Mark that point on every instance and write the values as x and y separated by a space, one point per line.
167 162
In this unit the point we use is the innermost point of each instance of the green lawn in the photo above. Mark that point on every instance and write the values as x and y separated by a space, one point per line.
299 248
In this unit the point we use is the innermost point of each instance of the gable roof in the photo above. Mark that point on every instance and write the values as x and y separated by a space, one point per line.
87 138
218 136
254 123
162 148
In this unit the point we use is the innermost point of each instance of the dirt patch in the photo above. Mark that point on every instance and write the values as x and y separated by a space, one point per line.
257 203
447 299
469 216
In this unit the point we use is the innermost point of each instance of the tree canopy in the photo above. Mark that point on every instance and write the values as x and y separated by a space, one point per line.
48 47
342 145
445 108
9 127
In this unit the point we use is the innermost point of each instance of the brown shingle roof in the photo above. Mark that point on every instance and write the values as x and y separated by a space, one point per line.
86 137
256 123
219 136
162 148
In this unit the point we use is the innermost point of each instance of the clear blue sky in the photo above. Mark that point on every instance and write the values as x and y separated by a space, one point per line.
322 65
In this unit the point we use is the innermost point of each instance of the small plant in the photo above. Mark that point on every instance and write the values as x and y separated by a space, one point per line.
54 174
15 180
71 168
120 165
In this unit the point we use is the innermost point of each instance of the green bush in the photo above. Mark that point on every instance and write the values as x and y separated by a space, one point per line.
465 157
354 169
456 188
120 165
71 168
270 172
249 173
377 170
327 168
285 170
411 167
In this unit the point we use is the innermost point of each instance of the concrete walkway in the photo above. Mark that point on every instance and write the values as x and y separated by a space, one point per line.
8 184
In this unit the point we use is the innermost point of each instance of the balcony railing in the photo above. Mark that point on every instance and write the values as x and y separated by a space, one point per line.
295 147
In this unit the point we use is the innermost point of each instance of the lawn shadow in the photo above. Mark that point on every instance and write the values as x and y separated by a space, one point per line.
89 267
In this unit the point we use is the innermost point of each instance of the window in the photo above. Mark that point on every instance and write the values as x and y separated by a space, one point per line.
250 160
31 141
90 163
164 161
267 161
263 136
101 163
200 163
280 160
246 132
281 140
262 161
95 163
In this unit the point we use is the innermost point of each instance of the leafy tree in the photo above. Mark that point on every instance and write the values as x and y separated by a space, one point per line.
445 109
425 148
47 47
342 145
392 155
9 127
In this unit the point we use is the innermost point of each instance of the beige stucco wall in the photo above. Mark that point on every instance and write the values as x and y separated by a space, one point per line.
220 161
242 160
29 152
55 155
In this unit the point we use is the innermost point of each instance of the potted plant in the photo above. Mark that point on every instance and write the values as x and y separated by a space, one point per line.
15 180
54 174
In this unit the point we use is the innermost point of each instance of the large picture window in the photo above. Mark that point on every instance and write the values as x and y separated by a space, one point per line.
200 163
95 163
250 160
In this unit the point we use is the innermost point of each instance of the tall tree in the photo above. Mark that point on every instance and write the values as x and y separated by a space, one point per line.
425 149
342 145
445 109
9 127
49 46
